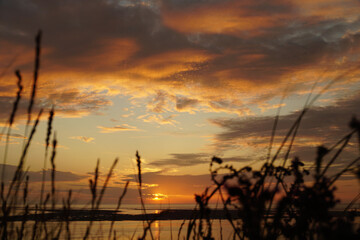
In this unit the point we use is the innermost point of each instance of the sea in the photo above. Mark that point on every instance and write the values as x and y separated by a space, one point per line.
163 229
160 229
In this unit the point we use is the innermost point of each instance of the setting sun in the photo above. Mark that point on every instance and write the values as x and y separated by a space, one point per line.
158 196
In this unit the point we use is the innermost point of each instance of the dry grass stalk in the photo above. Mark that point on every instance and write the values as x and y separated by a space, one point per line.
11 120
47 143
117 209
53 171
19 170
148 227
96 200
36 74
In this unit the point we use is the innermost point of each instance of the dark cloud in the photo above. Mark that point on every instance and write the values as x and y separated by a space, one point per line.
249 7
266 59
295 44
190 3
74 30
192 159
68 102
183 159
320 121
36 176
237 159
319 126
6 106
84 101
183 103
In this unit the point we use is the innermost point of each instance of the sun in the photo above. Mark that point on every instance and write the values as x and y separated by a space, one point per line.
158 196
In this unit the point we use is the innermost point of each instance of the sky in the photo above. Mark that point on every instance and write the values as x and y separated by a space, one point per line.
180 81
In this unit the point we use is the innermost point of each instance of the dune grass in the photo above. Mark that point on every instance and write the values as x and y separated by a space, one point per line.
271 202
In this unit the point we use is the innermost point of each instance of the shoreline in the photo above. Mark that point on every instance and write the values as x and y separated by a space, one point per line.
108 215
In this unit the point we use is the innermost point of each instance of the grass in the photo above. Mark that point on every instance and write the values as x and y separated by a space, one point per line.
303 209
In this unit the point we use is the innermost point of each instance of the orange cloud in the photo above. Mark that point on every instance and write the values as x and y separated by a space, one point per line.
117 128
231 17
106 55
159 119
265 107
83 138
168 63
328 9
14 138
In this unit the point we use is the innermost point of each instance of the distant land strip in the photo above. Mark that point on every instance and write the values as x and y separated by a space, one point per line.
108 215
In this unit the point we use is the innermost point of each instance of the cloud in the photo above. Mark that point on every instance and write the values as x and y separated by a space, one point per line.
14 138
68 103
13 135
193 159
266 106
323 120
182 160
247 18
158 104
229 17
117 128
327 9
185 104
36 176
223 56
83 138
319 126
171 63
159 119
75 100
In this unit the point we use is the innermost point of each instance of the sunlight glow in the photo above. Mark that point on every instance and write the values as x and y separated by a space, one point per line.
158 196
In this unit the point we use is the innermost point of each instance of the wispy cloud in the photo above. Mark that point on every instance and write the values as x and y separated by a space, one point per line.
169 120
36 176
69 102
13 135
159 103
183 159
193 159
14 138
118 128
83 138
